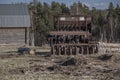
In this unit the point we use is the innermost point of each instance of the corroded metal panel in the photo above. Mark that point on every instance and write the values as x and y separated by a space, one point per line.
69 33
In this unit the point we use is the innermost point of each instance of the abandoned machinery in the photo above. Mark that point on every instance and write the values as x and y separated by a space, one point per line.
72 35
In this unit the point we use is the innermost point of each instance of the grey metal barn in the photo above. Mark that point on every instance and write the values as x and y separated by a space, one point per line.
14 24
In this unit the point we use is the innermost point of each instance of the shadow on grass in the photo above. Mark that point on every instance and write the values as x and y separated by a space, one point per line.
44 54
11 52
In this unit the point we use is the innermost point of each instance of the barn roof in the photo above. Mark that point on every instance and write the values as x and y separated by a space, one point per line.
14 15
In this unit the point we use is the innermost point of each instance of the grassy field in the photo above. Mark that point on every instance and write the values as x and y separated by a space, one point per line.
43 66
24 67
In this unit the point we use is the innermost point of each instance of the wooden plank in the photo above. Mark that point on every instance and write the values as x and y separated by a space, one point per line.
12 35
82 51
65 51
71 50
75 44
69 33
87 50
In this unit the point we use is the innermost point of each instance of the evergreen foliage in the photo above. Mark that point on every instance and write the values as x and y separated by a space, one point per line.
106 23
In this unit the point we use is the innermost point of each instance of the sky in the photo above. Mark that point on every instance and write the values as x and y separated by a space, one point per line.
99 4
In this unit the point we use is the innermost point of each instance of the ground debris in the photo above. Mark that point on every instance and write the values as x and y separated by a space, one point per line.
68 62
4 56
105 57
23 50
80 67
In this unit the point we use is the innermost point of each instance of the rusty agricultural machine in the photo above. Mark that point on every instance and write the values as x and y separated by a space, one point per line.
72 35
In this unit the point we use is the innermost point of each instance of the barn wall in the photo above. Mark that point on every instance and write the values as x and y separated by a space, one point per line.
12 35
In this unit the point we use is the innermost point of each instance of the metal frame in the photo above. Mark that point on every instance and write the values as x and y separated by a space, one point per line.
72 36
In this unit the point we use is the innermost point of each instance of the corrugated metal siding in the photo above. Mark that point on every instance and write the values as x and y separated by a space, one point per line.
14 21
14 15
13 9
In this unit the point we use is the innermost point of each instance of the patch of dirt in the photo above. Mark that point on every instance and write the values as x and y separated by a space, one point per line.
114 58
4 56
68 62
80 66
105 57
99 67
24 70
18 71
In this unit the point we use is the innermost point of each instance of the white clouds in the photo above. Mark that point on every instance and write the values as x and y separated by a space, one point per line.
100 4
87 4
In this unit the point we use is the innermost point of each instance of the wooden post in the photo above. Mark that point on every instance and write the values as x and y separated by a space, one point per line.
50 42
87 50
82 50
86 23
28 36
65 50
59 50
53 50
118 50
76 50
32 37
70 50
93 50
58 26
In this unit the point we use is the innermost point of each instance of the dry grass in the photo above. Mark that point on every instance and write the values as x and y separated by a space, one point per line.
34 67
